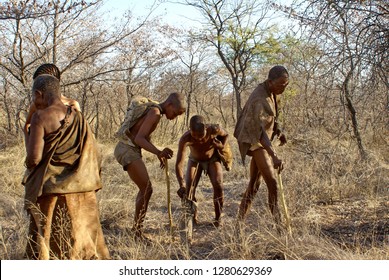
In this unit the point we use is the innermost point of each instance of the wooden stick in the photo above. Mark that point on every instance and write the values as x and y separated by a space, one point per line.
287 217
186 226
169 203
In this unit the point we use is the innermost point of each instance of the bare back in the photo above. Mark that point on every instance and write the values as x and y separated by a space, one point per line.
43 123
141 131
65 100
54 116
146 124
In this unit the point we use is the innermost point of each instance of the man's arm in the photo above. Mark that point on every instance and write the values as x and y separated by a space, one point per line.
148 126
261 110
36 142
28 122
221 138
265 142
71 102
182 144
142 137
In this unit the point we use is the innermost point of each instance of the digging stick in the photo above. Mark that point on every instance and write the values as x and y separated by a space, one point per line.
186 227
169 203
287 217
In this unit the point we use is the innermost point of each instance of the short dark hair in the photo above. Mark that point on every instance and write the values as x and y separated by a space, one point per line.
47 84
177 99
277 72
47 68
197 123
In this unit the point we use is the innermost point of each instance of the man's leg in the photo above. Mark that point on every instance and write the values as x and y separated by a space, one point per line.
192 178
252 189
47 206
265 166
139 175
215 173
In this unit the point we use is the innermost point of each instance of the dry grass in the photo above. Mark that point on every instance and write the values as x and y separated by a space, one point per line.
339 209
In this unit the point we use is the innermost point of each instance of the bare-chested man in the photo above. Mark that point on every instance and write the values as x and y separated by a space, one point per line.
128 151
204 141
63 165
49 69
254 130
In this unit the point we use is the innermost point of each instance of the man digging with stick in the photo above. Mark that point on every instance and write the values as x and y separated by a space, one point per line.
143 116
208 151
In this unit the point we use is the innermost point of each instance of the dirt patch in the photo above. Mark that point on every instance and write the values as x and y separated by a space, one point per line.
356 223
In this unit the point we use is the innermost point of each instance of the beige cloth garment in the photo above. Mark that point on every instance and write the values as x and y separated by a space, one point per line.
138 107
258 115
224 154
126 154
62 187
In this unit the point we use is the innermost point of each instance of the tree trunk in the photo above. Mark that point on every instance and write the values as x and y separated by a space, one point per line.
353 116
55 30
97 126
7 107
188 102
237 93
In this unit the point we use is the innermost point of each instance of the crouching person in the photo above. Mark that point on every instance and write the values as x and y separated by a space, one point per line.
209 149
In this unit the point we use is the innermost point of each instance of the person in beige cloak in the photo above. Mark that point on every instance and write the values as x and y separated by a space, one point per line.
255 128
63 164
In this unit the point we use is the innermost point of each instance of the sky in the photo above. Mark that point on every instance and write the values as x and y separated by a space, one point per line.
172 13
